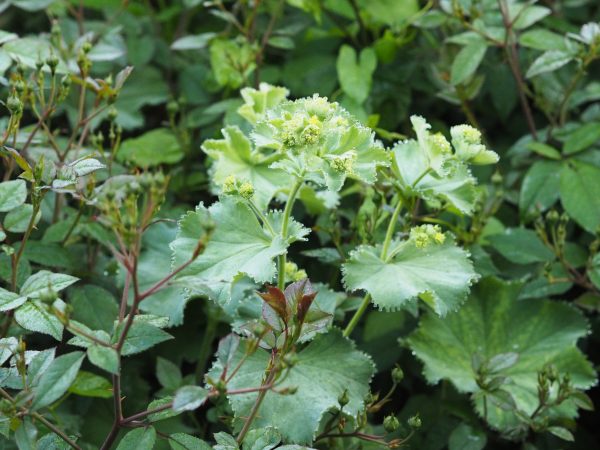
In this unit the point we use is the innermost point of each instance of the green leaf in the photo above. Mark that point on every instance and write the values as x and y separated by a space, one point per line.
439 274
542 39
234 155
104 357
530 15
239 244
326 367
225 441
12 194
88 384
44 282
467 61
26 435
562 433
138 439
582 138
465 437
193 42
390 12
94 306
521 246
182 441
10 300
159 146
544 149
540 187
141 336
262 439
168 374
494 322
56 379
549 61
580 194
355 74
594 270
17 220
189 398
34 316
232 61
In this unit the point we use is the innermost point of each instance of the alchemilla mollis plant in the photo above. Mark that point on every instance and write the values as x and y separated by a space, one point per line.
299 225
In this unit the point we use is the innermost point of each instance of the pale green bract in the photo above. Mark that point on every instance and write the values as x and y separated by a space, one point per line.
326 367
258 101
321 142
234 155
494 322
440 273
428 167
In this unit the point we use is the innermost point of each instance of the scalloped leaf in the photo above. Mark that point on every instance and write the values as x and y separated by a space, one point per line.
494 322
238 245
439 274
326 367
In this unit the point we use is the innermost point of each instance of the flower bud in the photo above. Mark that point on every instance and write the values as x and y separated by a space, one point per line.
86 47
414 421
52 62
397 375
391 424
14 105
343 399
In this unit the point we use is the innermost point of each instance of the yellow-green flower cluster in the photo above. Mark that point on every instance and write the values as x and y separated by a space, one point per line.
425 235
232 186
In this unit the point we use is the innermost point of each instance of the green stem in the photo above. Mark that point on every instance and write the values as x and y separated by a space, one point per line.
384 251
284 228
261 216
420 177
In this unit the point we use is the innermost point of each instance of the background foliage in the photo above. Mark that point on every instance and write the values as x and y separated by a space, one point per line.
150 165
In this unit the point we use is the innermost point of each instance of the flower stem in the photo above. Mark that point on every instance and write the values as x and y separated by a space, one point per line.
284 228
384 251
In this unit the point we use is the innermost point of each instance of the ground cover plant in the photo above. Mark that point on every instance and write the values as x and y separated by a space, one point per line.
302 224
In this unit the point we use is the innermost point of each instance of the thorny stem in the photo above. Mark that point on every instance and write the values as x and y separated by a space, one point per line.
513 61
42 419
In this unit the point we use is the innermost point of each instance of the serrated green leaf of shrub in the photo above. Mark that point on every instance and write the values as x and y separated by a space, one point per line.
182 441
56 379
467 61
580 194
493 322
89 384
521 246
17 220
103 357
12 194
189 398
548 61
34 316
139 439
